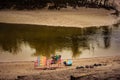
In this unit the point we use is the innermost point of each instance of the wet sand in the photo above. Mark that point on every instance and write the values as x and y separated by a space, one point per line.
80 17
108 70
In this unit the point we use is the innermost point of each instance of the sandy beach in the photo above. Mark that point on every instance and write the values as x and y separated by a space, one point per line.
80 17
108 70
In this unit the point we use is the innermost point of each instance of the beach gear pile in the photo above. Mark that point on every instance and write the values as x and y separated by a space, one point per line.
43 62
55 61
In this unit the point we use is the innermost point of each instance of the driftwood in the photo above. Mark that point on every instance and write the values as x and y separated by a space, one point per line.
78 77
75 78
83 76
21 77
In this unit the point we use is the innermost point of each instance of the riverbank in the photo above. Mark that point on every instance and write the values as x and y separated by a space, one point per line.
81 17
109 69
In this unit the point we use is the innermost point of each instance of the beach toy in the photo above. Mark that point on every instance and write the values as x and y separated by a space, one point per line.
68 62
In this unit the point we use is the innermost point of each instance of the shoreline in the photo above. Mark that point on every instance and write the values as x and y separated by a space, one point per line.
63 59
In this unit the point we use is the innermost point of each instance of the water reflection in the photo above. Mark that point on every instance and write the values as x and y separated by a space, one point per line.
47 41
106 36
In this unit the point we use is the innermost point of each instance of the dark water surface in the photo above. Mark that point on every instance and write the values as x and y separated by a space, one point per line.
23 42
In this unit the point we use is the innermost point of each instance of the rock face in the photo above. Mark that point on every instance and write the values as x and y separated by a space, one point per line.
117 4
57 4
117 7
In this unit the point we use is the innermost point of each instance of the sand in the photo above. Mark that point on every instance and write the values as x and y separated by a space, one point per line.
109 70
80 17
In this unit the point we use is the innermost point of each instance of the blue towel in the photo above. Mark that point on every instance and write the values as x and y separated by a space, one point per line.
69 62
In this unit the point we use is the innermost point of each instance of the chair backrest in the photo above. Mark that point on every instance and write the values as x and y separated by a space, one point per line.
41 61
